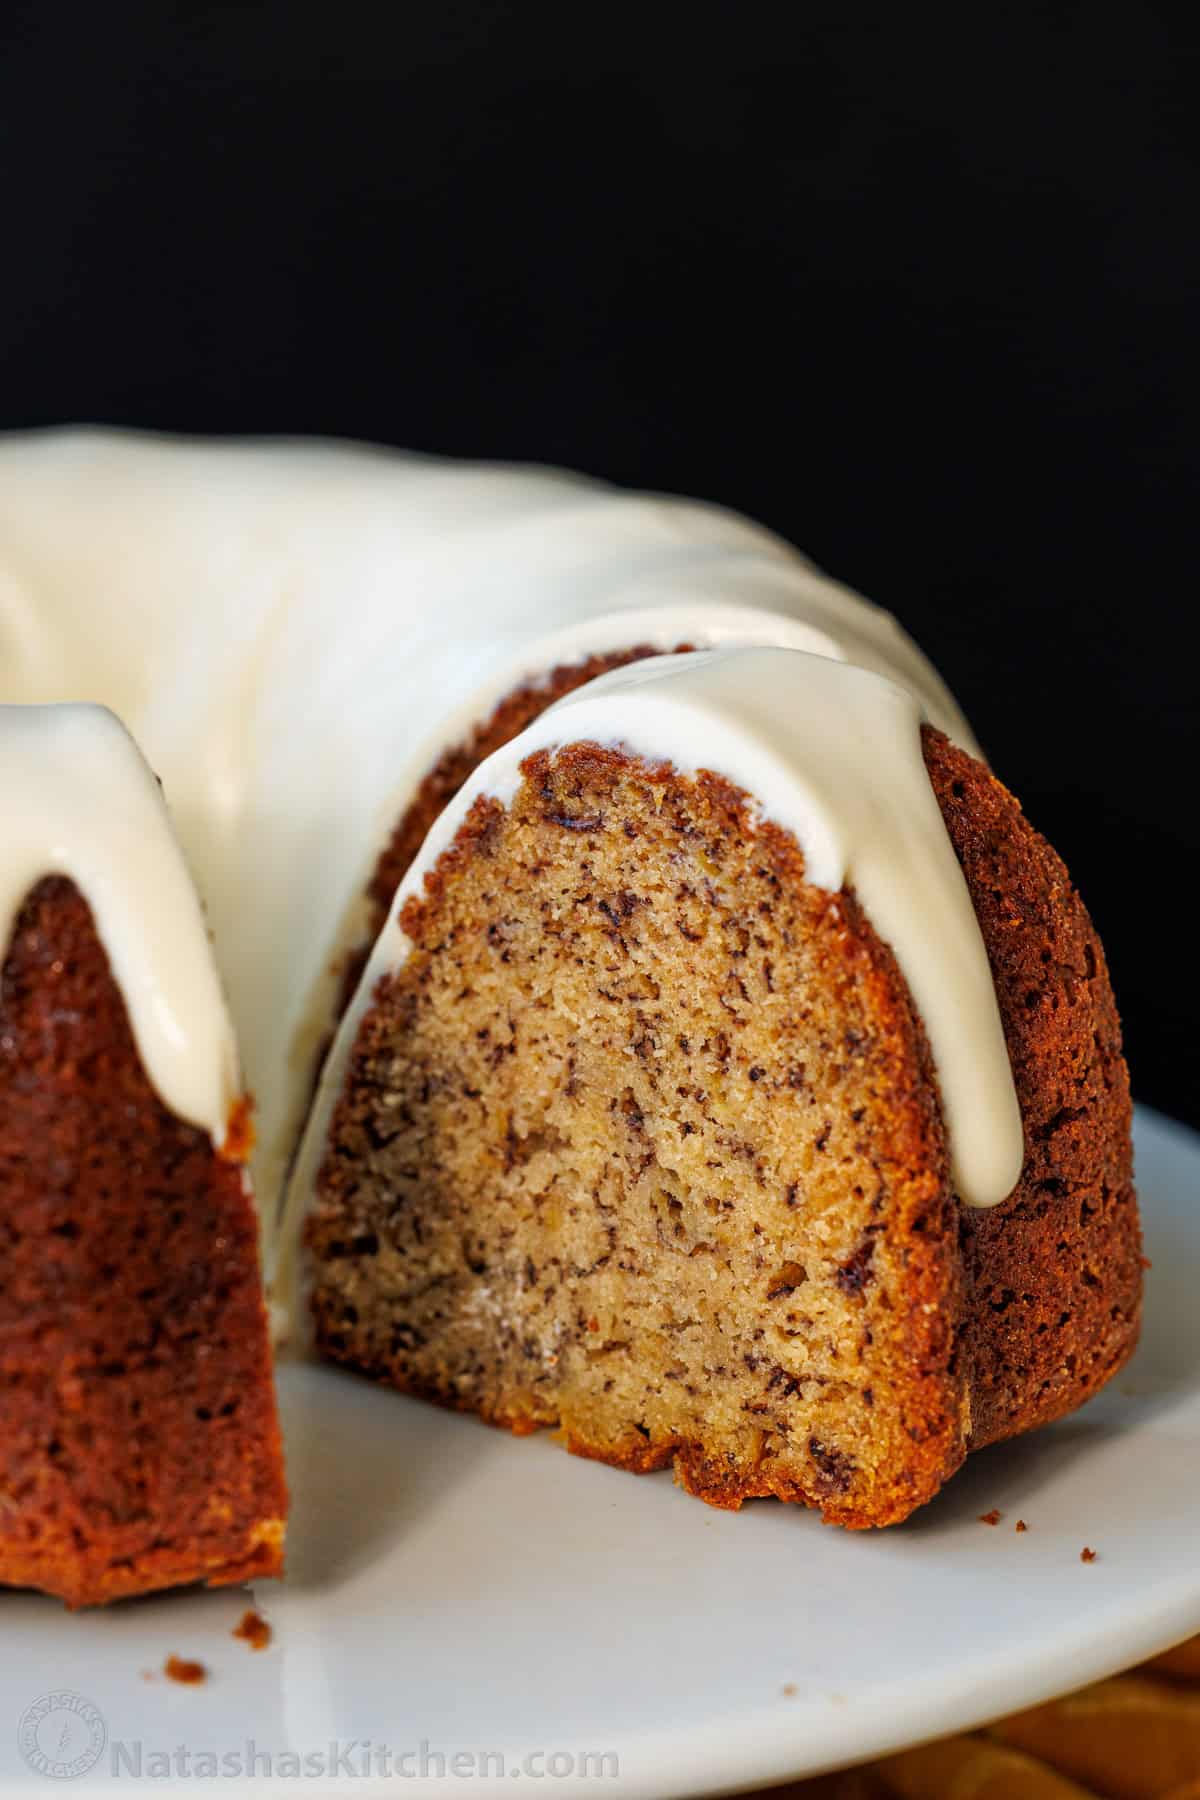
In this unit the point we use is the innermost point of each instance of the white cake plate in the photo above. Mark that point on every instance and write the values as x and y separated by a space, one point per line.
465 1602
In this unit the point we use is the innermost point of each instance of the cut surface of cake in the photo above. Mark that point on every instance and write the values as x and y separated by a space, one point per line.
727 1074
770 1124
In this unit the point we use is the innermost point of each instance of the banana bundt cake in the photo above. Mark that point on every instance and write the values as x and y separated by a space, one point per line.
727 1074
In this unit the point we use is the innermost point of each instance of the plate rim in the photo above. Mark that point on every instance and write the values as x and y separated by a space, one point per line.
746 1747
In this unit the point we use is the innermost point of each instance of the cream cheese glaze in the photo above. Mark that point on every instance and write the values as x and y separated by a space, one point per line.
832 753
293 632
80 801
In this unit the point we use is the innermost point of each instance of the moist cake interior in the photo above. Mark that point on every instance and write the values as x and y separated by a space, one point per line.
636 1144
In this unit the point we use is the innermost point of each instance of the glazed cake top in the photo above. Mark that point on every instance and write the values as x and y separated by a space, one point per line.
293 633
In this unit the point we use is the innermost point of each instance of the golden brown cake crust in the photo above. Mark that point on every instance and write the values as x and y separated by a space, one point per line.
139 1443
1055 1271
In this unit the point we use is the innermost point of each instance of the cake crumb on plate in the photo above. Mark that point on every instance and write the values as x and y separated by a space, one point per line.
182 1669
253 1629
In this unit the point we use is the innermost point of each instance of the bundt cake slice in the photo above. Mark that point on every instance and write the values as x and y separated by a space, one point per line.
737 1086
139 1444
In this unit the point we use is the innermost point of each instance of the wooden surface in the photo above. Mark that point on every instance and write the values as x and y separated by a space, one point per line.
1136 1737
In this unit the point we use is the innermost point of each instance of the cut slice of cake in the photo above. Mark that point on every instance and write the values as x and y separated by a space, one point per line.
139 1443
736 1087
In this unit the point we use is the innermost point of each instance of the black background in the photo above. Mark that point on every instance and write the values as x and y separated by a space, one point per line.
923 296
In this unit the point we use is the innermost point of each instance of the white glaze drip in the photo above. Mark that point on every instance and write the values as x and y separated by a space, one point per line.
80 801
828 751
294 632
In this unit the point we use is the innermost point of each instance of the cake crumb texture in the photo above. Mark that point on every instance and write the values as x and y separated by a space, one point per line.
517 710
643 1143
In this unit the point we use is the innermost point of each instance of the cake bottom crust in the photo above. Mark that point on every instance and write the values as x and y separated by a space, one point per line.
97 1580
